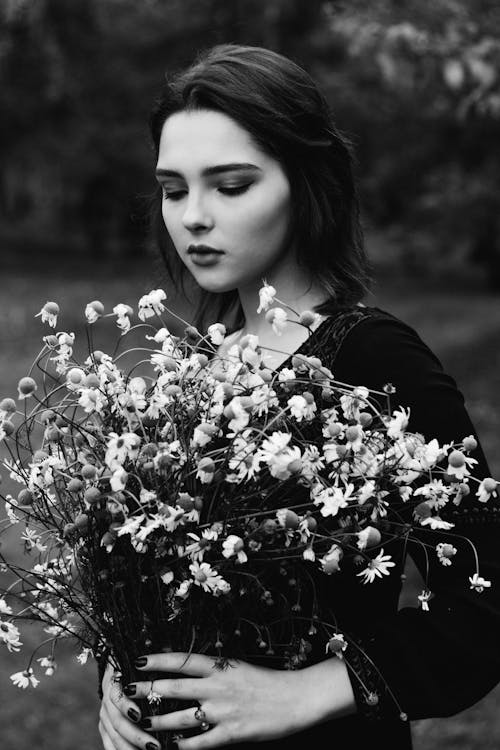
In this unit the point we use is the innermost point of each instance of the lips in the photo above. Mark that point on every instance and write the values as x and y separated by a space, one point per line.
203 250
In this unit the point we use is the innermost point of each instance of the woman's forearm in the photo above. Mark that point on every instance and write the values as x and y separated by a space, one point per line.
327 690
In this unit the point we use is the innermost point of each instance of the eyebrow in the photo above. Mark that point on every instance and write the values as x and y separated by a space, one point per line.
218 169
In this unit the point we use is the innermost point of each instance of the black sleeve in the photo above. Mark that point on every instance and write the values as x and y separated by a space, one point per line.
436 663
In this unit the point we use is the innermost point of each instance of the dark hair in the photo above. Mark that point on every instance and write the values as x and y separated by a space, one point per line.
280 106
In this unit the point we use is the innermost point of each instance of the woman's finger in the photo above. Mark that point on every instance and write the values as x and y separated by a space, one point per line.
195 689
216 737
123 704
124 734
184 719
193 665
106 740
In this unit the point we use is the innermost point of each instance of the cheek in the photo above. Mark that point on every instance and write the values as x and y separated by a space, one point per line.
266 217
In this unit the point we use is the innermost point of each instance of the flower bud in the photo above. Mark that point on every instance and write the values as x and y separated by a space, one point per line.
75 376
82 521
8 405
89 471
288 518
69 528
25 497
470 443
365 419
92 495
422 511
75 485
295 466
91 381
26 387
307 318
456 459
8 427
490 484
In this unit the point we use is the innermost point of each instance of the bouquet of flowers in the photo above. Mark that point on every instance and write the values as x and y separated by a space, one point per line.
194 507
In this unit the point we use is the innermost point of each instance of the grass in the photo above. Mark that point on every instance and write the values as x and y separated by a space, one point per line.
462 327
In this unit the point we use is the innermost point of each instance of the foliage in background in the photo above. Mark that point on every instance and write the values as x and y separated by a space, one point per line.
418 86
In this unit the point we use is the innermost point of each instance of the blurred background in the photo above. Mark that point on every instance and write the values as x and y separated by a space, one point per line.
415 85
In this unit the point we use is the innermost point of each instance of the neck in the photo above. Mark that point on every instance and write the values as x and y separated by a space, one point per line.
294 293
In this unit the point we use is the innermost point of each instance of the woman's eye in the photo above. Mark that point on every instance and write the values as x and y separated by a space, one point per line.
234 190
174 196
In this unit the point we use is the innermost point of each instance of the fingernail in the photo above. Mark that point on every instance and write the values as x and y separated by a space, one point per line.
133 714
141 661
129 689
145 724
152 746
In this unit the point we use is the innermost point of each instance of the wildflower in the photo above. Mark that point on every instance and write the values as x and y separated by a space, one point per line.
201 544
23 679
423 598
118 480
26 387
5 609
206 470
203 434
267 294
470 443
216 331
93 311
9 635
278 318
84 655
336 645
437 523
309 554
352 402
458 464
48 663
92 400
49 313
208 578
377 567
368 537
123 313
7 407
234 545
478 583
183 589
302 407
487 488
151 304
399 423
334 498
121 447
444 552
330 562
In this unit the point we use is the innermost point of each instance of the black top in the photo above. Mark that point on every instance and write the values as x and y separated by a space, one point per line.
439 662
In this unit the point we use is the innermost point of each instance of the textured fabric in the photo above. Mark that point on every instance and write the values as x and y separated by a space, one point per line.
433 663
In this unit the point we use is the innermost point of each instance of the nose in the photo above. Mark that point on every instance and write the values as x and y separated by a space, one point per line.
196 216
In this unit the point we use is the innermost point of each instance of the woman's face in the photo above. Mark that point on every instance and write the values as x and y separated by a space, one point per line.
243 211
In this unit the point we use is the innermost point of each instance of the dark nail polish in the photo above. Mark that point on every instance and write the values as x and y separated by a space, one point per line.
145 724
129 689
141 661
152 746
133 714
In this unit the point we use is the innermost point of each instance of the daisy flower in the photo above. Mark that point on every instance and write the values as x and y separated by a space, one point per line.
377 567
267 294
234 545
9 635
23 679
208 578
151 304
478 583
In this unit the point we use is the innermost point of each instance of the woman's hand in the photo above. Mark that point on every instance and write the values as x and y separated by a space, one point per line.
117 731
243 702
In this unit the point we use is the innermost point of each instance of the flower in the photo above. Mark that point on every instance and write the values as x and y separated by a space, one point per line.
84 655
5 609
216 332
234 545
478 583
444 552
151 304
123 313
9 635
458 464
26 387
336 645
423 598
332 499
23 679
93 311
368 537
267 294
377 567
48 663
49 313
208 578
399 422
278 318
487 488
121 447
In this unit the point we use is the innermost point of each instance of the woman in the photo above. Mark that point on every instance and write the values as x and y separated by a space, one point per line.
255 182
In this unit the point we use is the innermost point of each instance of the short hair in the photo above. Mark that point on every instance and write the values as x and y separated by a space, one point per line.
289 119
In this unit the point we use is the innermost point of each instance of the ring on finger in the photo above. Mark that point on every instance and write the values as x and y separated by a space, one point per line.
201 716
